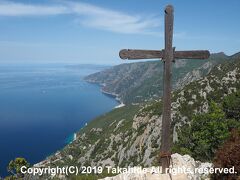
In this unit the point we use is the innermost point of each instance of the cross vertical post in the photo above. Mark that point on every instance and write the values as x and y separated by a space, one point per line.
168 59
168 55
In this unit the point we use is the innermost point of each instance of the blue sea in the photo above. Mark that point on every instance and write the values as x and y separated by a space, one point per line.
41 106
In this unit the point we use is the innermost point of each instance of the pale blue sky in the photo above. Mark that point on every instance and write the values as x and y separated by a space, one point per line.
93 31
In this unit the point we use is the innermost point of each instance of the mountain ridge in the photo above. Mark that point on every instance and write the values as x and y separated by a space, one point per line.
142 81
130 135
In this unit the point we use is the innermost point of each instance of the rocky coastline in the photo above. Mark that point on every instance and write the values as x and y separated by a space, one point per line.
111 94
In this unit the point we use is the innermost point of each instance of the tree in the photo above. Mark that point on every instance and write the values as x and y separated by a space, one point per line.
14 166
205 133
231 105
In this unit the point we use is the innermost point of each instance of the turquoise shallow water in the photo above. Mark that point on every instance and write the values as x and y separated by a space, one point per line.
69 139
41 106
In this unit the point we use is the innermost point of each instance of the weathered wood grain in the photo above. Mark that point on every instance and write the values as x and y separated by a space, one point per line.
167 74
199 54
140 54
132 54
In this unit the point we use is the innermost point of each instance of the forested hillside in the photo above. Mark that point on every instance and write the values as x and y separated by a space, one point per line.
141 82
131 135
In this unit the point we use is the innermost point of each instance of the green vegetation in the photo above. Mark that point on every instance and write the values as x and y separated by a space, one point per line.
207 132
231 105
152 109
130 135
98 135
143 81
14 167
117 121
104 121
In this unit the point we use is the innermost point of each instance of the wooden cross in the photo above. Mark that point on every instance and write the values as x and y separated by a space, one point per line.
168 55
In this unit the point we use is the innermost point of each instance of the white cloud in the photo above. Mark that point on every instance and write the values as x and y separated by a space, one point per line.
115 21
18 9
87 15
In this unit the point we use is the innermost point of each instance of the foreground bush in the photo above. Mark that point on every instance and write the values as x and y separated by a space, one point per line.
205 134
228 156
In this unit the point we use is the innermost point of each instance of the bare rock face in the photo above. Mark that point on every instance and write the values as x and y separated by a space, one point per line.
187 162
182 168
147 176
131 135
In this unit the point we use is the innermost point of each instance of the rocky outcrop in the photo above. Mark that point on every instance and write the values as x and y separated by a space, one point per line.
182 168
131 135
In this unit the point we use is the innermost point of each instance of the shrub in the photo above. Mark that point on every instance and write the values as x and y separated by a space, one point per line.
14 167
228 155
205 133
231 105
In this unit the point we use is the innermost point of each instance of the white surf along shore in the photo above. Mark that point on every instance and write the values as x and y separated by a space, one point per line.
116 96
74 136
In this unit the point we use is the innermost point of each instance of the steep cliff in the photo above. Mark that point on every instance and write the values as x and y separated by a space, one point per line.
131 135
140 82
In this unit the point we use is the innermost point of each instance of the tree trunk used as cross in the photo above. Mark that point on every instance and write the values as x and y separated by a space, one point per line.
168 55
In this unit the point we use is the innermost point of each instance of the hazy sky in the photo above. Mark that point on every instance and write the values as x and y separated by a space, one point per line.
93 31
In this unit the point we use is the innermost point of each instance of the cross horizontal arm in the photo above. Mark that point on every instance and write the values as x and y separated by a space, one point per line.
199 54
140 54
156 54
